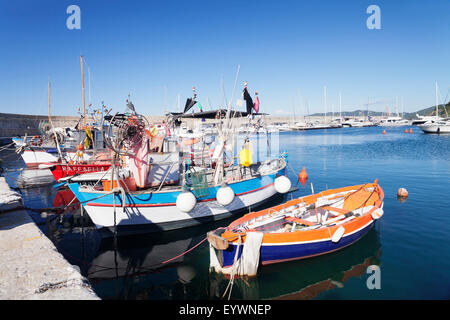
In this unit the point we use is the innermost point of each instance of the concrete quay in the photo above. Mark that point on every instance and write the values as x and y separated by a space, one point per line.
31 268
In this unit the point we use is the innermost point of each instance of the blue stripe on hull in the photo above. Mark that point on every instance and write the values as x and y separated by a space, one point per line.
169 198
279 253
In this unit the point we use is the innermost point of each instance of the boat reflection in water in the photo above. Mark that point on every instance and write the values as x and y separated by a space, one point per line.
133 268
308 278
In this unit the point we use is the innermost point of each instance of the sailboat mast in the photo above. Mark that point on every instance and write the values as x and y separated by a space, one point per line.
396 105
82 84
340 105
49 117
437 101
325 101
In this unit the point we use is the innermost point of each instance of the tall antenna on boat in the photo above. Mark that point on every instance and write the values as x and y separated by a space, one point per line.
89 86
82 84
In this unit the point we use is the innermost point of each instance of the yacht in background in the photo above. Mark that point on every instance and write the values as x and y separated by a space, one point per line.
423 119
351 122
394 122
436 124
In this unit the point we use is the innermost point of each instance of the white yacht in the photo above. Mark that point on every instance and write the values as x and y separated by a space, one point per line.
352 122
436 124
394 122
423 119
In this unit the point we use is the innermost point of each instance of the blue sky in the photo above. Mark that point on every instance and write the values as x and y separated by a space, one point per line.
287 51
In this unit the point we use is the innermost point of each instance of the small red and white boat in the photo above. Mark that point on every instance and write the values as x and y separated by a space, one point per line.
62 170
301 228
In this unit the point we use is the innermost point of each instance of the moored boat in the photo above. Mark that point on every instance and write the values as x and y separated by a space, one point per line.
301 228
172 183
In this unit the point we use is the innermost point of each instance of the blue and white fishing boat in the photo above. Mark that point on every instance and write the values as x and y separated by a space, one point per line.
162 186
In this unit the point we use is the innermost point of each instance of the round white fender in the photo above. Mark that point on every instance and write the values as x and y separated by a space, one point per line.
282 184
186 201
377 214
338 234
225 195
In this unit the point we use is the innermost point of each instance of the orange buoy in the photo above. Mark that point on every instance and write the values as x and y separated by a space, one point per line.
303 175
402 193
410 130
406 130
384 131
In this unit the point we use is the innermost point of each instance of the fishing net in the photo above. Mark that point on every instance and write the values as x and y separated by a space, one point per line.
199 184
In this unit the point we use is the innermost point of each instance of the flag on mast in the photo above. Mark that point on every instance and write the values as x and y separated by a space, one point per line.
248 99
256 105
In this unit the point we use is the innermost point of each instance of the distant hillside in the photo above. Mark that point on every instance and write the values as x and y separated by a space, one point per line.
431 111
412 115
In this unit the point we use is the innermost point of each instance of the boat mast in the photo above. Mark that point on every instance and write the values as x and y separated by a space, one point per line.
49 117
82 85
340 105
325 102
403 108
437 101
396 105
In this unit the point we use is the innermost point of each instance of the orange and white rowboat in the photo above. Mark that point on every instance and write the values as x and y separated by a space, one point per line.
304 227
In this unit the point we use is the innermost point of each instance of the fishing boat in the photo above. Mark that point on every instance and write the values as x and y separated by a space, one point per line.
165 187
63 170
301 228
68 150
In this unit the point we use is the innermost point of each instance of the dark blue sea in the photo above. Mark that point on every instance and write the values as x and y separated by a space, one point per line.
410 244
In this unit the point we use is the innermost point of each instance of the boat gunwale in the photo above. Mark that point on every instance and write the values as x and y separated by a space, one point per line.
322 233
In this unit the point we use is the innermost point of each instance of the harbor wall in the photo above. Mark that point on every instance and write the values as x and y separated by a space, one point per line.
12 125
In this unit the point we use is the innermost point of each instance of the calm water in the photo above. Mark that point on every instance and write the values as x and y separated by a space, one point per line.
411 243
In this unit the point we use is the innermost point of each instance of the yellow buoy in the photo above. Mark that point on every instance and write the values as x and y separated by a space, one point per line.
245 157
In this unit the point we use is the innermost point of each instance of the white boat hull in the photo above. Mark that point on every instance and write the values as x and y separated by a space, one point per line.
434 128
169 217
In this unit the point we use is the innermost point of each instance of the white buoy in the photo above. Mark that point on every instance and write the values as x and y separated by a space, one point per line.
282 184
376 214
337 235
225 195
186 274
186 201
